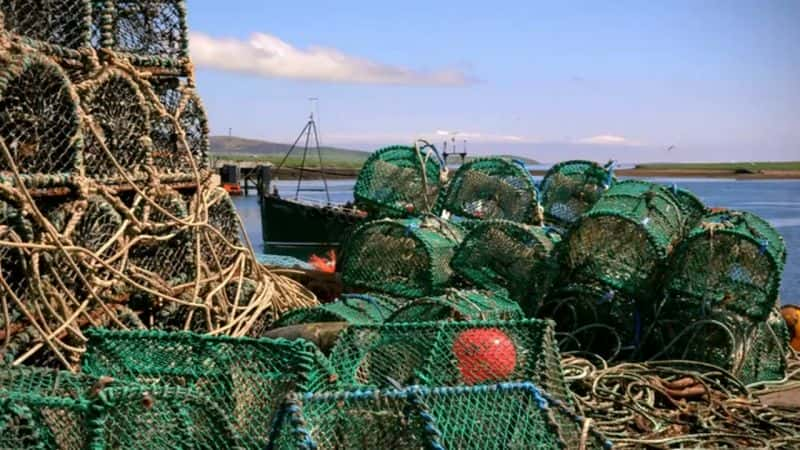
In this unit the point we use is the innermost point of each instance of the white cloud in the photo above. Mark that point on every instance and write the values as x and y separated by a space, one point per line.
269 56
607 139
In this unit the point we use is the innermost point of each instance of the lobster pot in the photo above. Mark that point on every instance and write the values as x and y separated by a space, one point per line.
39 123
172 151
449 353
118 140
58 409
245 378
15 289
571 188
65 24
405 257
510 256
510 415
624 239
151 33
598 319
732 262
168 253
220 239
399 181
692 207
459 304
492 188
350 308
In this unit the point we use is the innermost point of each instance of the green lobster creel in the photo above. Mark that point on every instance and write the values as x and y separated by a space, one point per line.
57 409
458 304
121 124
571 188
518 258
181 104
732 261
220 240
39 123
350 308
692 207
488 417
598 319
246 378
405 257
448 353
623 241
151 33
15 265
492 188
61 23
399 181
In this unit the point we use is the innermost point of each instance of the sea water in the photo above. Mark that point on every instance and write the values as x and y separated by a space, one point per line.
777 201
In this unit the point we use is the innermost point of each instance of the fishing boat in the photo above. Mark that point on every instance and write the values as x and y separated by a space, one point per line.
298 225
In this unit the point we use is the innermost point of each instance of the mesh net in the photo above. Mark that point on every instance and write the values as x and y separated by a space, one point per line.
66 23
492 188
511 415
570 188
350 308
622 241
449 354
38 117
398 181
459 304
111 417
511 256
120 115
693 209
246 378
105 160
420 251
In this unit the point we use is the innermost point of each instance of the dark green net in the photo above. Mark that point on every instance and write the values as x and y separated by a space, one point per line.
625 237
350 308
48 409
246 378
510 256
570 188
692 207
63 23
497 416
458 304
407 257
399 181
492 188
448 353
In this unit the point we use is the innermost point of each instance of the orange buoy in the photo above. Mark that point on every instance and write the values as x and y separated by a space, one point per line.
791 314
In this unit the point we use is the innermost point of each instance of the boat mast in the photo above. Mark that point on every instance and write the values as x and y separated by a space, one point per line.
307 131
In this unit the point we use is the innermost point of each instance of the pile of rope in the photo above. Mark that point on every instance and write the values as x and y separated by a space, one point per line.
686 404
108 213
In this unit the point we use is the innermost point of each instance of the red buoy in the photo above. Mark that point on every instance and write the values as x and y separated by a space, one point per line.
484 354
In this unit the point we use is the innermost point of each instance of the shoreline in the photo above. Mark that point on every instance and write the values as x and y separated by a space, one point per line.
346 173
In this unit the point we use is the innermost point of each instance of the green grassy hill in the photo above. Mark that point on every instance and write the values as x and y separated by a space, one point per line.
758 165
241 149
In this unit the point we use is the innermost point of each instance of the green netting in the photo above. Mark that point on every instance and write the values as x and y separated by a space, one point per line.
392 182
492 188
731 261
350 308
39 119
497 416
459 304
48 409
407 258
624 239
595 318
692 207
180 103
246 378
570 188
511 256
450 353
14 266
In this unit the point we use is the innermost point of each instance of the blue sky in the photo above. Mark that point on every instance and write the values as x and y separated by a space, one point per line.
718 80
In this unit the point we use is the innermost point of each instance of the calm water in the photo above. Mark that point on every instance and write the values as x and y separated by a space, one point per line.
777 201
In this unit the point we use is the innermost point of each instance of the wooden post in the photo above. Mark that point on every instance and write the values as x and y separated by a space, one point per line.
264 179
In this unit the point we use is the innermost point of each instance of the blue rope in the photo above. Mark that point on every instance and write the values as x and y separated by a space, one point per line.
610 173
366 298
